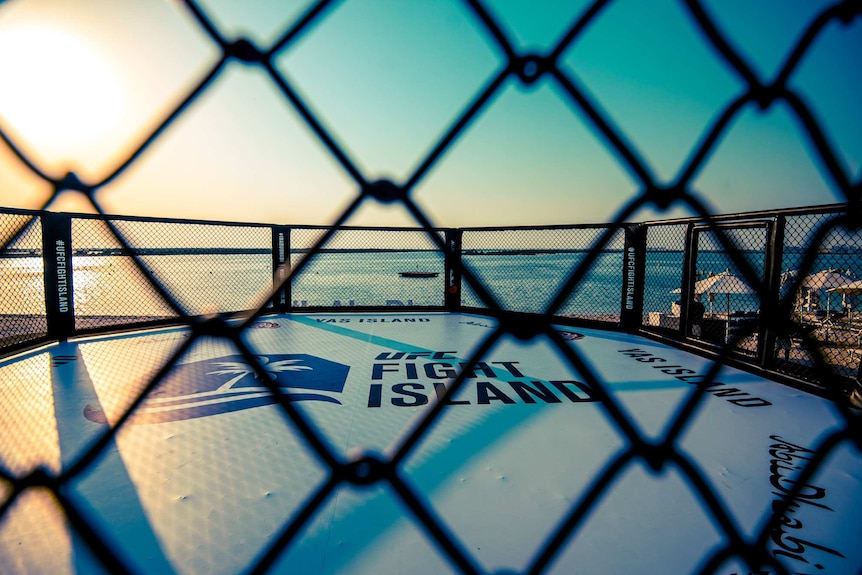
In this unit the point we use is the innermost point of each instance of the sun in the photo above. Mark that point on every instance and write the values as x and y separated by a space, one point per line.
57 93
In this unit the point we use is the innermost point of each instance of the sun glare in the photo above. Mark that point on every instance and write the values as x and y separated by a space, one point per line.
57 93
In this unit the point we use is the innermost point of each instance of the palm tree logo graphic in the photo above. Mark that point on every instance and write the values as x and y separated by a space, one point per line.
185 397
242 369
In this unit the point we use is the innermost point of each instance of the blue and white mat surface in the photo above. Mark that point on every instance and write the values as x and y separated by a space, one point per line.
204 476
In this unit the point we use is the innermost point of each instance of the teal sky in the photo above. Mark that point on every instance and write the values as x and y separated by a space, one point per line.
83 81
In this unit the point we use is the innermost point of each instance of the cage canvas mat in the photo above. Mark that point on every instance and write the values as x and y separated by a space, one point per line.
208 470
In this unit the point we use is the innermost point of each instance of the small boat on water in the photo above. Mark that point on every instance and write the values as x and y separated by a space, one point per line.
418 274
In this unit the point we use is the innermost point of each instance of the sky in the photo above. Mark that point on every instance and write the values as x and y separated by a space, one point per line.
83 82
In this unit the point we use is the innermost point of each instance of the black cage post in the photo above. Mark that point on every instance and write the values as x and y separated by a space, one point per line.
771 300
689 261
59 291
452 263
634 274
281 266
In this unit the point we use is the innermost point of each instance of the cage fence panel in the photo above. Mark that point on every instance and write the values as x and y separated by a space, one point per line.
209 268
23 296
367 268
524 270
665 246
109 289
823 294
727 304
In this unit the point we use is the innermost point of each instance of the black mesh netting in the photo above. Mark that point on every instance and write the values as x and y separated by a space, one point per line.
774 322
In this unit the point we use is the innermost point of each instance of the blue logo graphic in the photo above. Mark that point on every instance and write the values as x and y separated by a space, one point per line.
225 384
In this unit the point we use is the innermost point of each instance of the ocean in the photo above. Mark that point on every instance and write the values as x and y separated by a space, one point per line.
112 286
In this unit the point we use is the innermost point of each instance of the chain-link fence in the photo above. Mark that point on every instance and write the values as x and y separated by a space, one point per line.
807 330
213 269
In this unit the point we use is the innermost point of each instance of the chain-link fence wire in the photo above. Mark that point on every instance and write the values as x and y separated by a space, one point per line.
225 268
20 483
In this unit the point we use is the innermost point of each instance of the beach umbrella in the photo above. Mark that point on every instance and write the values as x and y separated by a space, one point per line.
724 283
851 288
826 280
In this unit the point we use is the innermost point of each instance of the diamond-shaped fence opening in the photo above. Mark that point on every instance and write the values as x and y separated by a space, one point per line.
388 73
267 477
45 543
795 271
653 67
29 441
